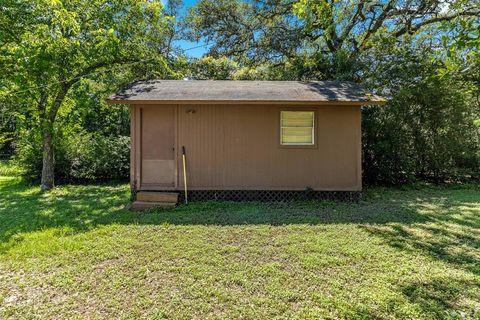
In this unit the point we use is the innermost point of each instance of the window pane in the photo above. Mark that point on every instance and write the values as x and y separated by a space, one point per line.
297 136
296 127
297 119
297 123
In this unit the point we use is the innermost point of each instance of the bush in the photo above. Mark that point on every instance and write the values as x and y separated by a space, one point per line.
97 157
78 157
427 129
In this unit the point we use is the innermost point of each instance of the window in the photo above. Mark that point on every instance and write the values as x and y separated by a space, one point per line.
297 128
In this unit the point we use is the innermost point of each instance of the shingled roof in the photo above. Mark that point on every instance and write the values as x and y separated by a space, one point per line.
209 91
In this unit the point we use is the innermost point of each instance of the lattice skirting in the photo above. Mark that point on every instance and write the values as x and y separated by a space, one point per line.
270 195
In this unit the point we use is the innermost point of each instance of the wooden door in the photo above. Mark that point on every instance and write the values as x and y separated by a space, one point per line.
158 147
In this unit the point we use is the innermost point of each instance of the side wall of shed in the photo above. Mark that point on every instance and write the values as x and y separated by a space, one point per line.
238 147
233 147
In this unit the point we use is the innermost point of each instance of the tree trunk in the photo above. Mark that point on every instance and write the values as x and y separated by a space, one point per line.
48 165
47 182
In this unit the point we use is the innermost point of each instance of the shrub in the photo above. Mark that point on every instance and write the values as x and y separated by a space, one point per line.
97 157
78 157
427 129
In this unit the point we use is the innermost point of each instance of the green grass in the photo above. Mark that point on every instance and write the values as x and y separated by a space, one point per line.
76 252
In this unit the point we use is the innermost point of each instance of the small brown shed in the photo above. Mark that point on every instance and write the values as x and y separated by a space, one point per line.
257 140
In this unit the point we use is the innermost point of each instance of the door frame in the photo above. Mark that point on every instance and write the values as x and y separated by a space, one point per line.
137 142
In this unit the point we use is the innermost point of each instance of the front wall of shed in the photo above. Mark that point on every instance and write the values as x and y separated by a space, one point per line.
237 147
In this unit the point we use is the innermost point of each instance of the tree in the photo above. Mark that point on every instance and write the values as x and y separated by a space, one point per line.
359 24
48 46
259 30
7 132
249 31
208 68
173 28
462 50
427 131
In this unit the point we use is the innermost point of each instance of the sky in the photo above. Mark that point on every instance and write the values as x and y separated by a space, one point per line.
197 49
193 49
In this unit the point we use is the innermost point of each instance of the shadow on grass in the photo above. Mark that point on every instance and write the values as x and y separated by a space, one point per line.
434 223
24 209
451 234
441 298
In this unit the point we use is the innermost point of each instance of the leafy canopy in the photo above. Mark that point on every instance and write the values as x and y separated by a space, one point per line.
52 43
262 30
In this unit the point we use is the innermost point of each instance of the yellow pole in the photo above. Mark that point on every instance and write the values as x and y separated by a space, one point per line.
185 174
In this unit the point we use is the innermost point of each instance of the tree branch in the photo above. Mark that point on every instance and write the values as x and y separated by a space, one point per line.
42 103
334 41
88 70
58 102
66 85
378 23
353 21
418 26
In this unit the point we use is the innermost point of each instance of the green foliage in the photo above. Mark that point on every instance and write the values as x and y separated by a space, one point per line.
62 41
100 158
260 31
209 68
462 51
61 59
317 66
90 111
250 32
80 156
7 133
57 44
427 129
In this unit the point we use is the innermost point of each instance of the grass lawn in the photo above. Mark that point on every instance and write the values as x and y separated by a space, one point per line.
76 253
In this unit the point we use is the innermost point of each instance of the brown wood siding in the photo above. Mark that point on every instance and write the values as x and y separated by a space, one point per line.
237 147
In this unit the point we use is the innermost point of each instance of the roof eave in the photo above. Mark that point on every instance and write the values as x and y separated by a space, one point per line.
269 102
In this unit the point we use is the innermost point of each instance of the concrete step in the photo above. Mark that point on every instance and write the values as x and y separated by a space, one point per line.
143 205
153 196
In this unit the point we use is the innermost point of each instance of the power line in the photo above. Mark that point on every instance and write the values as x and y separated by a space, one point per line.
200 46
47 85
85 75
